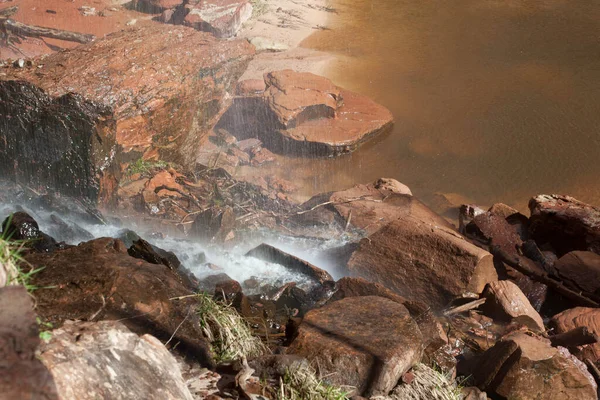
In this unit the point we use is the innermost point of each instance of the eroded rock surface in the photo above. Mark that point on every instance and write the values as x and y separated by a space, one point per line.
367 342
91 360
224 18
507 302
575 318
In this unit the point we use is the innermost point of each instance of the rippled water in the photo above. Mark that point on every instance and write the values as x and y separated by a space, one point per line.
496 100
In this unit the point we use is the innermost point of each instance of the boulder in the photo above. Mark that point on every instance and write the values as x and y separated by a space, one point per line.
22 375
564 223
99 280
505 301
580 317
213 224
302 113
366 342
21 226
155 91
492 230
524 367
91 360
423 261
580 270
223 18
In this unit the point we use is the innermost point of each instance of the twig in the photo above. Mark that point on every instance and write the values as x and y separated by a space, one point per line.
100 309
178 326
465 307
21 29
183 297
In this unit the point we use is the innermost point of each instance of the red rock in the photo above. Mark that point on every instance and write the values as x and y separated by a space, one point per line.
164 90
493 230
423 261
565 223
250 87
580 270
261 156
161 4
506 301
574 318
365 342
98 278
224 18
503 210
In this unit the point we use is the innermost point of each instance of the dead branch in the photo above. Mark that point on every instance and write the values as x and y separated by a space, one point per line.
20 29
465 307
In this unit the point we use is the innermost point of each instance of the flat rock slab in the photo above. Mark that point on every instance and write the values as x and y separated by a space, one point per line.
92 360
163 85
507 302
423 262
305 114
367 342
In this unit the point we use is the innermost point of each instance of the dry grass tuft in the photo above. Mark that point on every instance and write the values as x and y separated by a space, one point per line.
302 383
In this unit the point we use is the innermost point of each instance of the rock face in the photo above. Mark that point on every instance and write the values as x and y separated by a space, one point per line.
580 270
302 113
367 342
507 302
565 223
99 280
422 261
523 367
159 97
46 140
91 360
224 18
576 317
22 375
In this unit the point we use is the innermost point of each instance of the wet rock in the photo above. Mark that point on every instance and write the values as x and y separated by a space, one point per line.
277 365
213 224
302 113
165 113
274 255
503 210
295 301
59 140
422 261
91 360
466 214
261 156
525 367
505 301
580 270
366 342
564 223
248 145
492 230
575 318
210 283
22 375
227 289
68 232
21 226
99 280
472 393
224 18
154 255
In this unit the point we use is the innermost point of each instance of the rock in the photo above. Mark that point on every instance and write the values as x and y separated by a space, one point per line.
154 255
213 224
21 226
22 375
277 365
505 301
91 360
466 214
524 367
491 230
224 18
162 184
68 232
580 270
160 4
564 223
168 112
210 283
503 210
472 393
274 255
99 280
248 145
422 261
261 43
366 342
58 140
447 204
302 113
250 87
575 318
261 156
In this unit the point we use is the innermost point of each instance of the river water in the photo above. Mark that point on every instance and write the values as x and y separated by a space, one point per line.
496 100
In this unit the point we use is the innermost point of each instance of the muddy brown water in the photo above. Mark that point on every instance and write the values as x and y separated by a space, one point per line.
496 100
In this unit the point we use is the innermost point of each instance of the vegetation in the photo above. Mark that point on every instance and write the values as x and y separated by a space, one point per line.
428 384
259 7
142 166
302 383
228 333
9 261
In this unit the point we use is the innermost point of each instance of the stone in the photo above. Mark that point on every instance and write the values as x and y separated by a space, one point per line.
575 318
505 301
115 100
367 342
564 223
250 87
524 367
580 270
492 230
22 374
21 226
466 213
210 283
223 18
99 280
91 360
48 136
248 145
423 262
262 43
272 254
503 210
300 113
161 4
261 156
213 224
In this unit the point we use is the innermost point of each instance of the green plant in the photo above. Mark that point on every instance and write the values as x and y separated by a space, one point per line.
302 383
45 329
142 166
228 333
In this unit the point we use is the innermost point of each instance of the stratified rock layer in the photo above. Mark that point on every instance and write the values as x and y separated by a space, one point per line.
366 342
